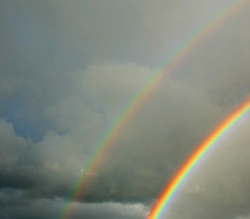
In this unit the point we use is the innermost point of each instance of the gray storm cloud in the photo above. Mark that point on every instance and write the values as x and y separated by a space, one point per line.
45 208
69 68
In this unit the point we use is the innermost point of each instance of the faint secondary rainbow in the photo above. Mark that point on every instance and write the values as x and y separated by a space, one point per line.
179 177
135 103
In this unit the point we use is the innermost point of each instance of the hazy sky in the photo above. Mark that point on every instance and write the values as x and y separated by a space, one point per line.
68 68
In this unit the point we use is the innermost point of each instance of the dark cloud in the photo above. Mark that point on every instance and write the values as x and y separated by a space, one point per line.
50 209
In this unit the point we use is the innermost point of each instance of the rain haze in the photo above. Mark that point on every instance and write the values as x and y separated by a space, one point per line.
68 69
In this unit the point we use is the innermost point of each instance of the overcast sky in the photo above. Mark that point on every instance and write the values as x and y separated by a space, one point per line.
68 68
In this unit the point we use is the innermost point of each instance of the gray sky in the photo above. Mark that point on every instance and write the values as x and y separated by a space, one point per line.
67 70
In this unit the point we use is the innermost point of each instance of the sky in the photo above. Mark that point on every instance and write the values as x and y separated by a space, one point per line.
67 71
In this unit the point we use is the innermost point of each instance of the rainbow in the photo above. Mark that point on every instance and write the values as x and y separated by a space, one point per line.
136 102
190 163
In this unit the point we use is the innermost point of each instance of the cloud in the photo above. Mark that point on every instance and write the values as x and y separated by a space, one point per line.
138 164
12 146
144 156
80 120
47 208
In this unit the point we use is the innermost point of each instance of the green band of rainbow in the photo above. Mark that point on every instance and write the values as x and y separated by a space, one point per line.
170 64
180 176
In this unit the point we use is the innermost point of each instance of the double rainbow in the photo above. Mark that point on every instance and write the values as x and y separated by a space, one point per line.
136 102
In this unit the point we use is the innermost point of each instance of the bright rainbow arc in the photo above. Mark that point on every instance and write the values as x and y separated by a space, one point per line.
132 107
178 179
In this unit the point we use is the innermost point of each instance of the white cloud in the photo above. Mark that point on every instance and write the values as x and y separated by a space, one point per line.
12 147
